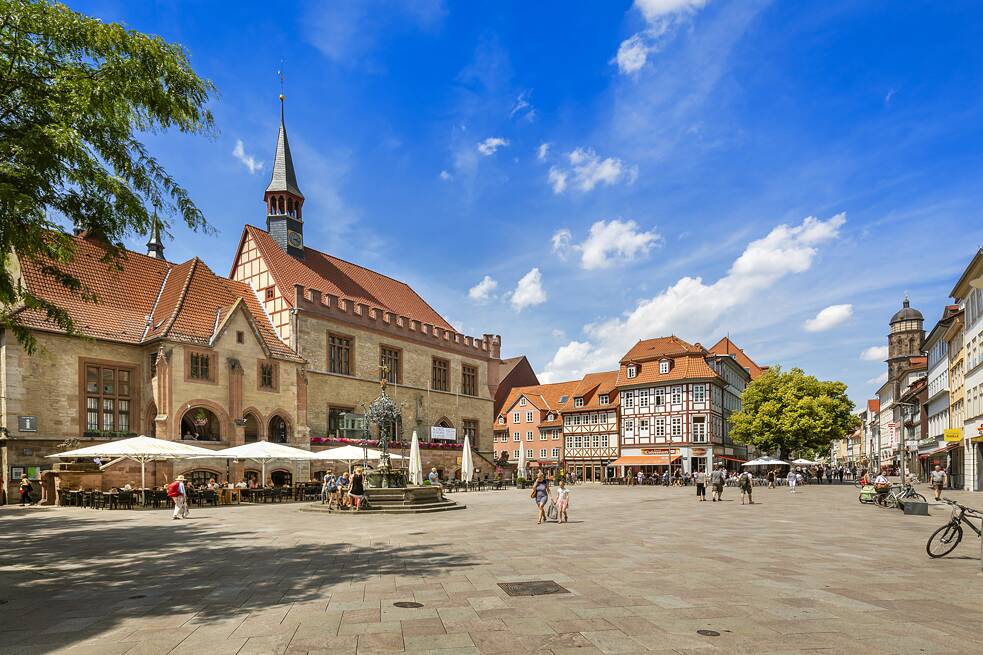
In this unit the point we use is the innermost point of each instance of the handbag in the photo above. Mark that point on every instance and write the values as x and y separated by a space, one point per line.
532 494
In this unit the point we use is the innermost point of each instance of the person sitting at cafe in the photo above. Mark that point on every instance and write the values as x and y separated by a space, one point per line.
212 486
241 484
343 483
128 486
269 483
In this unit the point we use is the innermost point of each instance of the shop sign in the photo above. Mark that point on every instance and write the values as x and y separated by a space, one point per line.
953 434
699 452
660 451
892 434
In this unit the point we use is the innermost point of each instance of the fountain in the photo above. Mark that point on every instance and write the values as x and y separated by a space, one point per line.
384 413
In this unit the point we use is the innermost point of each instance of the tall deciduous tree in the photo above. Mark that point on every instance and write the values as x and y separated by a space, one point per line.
794 412
75 96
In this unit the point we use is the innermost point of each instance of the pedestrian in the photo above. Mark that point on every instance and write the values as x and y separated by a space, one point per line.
701 486
434 479
562 502
939 479
771 478
829 475
25 491
792 479
717 478
177 492
357 488
641 478
344 500
746 484
541 494
819 475
328 486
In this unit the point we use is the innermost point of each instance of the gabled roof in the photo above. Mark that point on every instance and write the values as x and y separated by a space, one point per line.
593 386
544 397
337 277
649 349
727 347
147 300
684 367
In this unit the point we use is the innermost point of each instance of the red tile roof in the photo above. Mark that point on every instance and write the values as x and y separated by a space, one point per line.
544 397
184 302
593 386
684 367
649 349
337 277
727 347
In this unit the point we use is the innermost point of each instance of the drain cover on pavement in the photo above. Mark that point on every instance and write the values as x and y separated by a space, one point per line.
408 604
4 602
708 633
138 596
536 588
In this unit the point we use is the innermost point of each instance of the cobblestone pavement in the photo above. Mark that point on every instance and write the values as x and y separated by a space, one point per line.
646 569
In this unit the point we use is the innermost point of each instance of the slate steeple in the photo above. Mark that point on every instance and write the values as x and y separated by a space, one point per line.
155 247
284 201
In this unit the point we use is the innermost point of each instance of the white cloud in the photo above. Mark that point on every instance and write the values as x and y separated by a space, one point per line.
662 17
874 354
615 240
483 290
543 151
250 162
529 291
632 54
879 380
490 146
692 308
557 333
587 170
522 108
829 318
557 179
445 176
561 242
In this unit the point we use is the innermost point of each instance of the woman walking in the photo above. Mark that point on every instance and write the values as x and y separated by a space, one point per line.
25 491
771 478
541 494
792 479
357 488
746 485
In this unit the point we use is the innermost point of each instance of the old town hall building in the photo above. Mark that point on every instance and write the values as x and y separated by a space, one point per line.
289 348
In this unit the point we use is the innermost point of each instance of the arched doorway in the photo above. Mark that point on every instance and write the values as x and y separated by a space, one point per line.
200 424
278 429
251 428
200 477
282 478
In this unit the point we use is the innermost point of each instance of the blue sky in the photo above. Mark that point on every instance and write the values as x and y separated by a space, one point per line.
578 175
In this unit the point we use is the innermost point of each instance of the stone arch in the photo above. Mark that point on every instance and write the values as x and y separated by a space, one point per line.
275 432
223 420
281 476
443 422
260 424
150 419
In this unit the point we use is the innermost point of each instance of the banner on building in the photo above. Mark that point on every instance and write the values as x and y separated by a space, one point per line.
953 434
443 434
892 434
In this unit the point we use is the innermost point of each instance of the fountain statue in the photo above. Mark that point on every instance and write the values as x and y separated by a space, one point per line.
384 413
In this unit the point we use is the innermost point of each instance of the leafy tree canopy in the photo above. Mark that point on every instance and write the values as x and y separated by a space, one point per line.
794 412
75 95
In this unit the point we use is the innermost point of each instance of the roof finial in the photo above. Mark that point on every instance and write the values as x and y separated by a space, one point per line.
155 247
907 301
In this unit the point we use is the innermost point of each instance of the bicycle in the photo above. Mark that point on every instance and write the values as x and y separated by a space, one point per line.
944 540
899 493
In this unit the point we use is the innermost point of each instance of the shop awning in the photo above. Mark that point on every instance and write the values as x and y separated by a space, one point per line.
732 459
645 460
943 449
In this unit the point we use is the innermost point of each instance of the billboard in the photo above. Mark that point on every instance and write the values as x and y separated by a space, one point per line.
443 434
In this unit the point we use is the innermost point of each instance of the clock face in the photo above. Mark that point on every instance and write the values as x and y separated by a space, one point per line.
294 239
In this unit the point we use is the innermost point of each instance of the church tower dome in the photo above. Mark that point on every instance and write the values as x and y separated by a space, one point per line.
283 199
905 339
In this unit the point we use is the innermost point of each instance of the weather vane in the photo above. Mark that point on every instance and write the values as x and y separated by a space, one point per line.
279 74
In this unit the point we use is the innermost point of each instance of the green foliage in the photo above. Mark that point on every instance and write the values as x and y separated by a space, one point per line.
793 411
75 95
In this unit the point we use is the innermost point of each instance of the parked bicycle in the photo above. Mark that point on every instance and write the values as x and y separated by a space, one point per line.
944 540
898 494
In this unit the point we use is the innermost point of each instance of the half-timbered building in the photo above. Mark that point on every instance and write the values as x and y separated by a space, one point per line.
590 428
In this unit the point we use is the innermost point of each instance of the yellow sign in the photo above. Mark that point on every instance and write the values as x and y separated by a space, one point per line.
953 434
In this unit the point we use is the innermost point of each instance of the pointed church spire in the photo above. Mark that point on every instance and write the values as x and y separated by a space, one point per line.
284 178
284 201
155 247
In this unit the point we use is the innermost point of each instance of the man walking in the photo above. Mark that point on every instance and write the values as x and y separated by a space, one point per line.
701 486
179 495
717 478
939 479
792 478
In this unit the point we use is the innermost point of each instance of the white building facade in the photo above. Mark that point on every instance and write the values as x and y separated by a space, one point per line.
968 292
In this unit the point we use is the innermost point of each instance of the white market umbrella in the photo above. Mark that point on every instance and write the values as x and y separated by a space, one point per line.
416 463
521 466
349 454
804 462
141 449
766 461
467 461
263 452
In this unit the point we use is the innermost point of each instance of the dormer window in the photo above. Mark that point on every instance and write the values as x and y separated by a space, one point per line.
664 366
501 419
578 402
632 371
550 417
522 401
604 400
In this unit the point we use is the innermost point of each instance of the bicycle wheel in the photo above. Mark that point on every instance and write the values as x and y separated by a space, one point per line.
891 501
944 540
917 496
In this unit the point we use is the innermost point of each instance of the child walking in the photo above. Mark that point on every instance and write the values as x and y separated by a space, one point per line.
562 502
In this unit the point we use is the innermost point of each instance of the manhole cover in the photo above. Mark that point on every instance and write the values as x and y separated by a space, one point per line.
407 604
708 633
138 596
4 602
536 588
